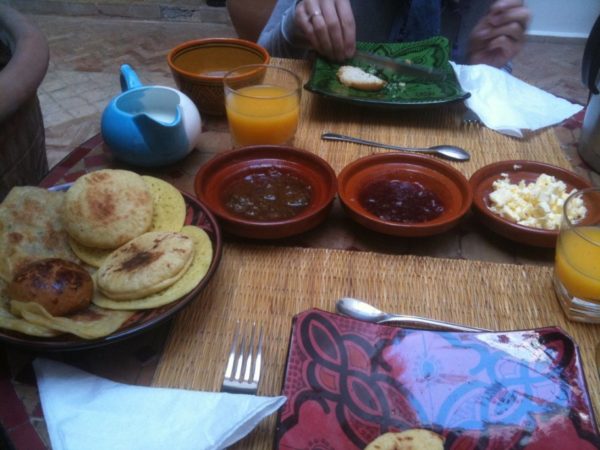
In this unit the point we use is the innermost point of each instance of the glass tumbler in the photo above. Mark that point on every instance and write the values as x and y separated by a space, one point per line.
577 264
263 104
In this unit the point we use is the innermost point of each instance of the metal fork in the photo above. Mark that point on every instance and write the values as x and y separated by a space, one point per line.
242 373
470 118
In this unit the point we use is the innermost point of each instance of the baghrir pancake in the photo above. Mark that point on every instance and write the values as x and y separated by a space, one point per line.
169 215
413 439
145 265
198 268
107 208
31 229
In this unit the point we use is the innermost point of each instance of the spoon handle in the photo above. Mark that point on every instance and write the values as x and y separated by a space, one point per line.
341 137
426 323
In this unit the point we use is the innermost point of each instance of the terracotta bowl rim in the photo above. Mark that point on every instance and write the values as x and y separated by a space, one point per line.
534 236
237 42
329 184
427 228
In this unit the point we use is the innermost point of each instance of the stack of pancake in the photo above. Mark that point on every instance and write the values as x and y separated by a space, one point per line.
126 231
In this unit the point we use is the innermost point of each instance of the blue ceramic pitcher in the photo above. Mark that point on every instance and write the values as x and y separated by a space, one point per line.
149 125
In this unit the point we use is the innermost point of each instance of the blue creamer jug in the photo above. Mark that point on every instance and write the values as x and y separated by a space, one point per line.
149 125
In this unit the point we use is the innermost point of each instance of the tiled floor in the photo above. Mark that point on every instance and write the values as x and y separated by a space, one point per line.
86 52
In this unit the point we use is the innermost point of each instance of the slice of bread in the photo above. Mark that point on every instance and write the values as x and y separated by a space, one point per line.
357 78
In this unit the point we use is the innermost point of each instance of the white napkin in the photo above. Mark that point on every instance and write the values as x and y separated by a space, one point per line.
509 105
83 412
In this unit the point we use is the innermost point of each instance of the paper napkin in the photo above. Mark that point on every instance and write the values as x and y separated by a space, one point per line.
509 105
85 412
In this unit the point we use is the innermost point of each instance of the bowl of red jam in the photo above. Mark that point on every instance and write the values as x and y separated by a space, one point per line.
404 194
267 191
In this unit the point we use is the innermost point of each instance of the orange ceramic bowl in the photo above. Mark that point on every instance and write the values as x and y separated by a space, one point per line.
449 185
481 182
198 68
219 179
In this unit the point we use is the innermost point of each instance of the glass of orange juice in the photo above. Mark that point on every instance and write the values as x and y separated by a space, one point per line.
577 264
263 104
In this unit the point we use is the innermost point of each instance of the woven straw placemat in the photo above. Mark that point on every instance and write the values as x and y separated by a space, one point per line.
411 127
270 285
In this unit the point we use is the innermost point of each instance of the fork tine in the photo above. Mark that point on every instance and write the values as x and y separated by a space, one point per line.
240 359
232 360
258 360
250 355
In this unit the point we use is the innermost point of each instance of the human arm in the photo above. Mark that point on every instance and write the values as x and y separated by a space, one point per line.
326 26
500 34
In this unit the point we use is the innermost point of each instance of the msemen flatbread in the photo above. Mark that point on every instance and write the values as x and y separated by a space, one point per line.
147 264
90 323
203 253
31 229
414 439
107 208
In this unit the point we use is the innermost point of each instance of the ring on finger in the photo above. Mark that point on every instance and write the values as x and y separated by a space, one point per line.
314 14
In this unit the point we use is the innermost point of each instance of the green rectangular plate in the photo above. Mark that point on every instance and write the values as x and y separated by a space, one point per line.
401 91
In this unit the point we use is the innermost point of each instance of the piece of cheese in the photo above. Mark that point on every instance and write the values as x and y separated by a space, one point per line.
537 205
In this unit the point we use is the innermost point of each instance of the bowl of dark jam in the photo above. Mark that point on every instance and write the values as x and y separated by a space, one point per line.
403 194
267 191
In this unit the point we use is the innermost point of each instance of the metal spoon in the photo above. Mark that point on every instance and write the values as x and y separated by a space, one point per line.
446 151
360 310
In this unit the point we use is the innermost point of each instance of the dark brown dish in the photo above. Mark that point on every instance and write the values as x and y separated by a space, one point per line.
435 195
267 191
481 182
143 320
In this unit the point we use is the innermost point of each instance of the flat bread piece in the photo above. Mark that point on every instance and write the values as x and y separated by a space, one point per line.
145 265
414 439
8 321
169 215
107 208
31 229
169 205
357 78
91 323
203 254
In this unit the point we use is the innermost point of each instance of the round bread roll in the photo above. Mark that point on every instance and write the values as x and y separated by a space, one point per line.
413 439
107 208
61 287
147 264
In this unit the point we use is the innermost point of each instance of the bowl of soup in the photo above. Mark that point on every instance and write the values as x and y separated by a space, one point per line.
267 191
403 194
198 68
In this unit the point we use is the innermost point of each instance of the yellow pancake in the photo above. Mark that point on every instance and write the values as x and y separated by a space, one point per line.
169 215
91 323
203 253
9 321
169 205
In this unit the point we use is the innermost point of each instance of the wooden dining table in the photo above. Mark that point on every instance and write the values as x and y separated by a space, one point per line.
467 275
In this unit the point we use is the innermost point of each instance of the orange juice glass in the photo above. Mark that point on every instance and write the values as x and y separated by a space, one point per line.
263 104
577 264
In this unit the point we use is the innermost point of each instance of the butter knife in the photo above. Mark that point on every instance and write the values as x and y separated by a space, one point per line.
400 67
357 309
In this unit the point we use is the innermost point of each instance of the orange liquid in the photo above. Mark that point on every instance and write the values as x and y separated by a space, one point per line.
578 262
262 115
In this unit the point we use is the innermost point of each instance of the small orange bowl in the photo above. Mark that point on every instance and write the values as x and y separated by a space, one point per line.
448 184
224 178
518 170
199 66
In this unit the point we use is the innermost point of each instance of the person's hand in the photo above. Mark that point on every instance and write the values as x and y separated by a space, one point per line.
328 26
499 35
